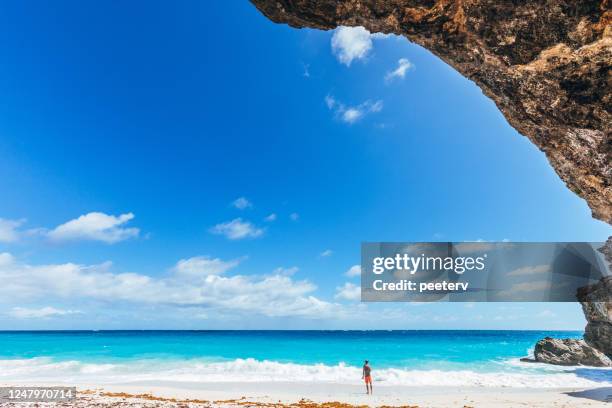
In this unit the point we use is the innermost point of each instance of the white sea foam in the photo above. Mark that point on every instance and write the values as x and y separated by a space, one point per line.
45 370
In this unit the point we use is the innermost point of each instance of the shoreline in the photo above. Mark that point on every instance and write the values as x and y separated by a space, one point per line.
294 394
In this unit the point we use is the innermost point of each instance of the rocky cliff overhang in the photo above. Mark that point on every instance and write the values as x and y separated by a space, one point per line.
546 65
596 303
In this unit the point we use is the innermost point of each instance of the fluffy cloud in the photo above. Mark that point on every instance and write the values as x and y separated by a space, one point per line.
270 218
403 65
6 259
286 271
353 43
353 271
530 270
523 290
8 230
350 43
352 114
349 291
326 253
276 295
242 203
203 266
237 229
480 246
546 313
42 313
95 226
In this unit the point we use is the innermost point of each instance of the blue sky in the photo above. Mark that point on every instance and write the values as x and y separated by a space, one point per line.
128 130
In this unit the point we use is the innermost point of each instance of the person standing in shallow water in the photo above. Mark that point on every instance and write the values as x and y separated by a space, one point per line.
366 374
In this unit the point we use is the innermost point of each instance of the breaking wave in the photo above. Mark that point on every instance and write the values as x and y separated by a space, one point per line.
524 375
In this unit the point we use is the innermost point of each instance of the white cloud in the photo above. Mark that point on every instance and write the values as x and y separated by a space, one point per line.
276 295
203 266
351 43
403 65
374 107
8 230
480 246
331 102
237 229
242 203
530 270
6 259
95 226
326 253
518 291
546 313
530 286
229 300
352 114
353 271
294 216
45 312
349 291
286 271
270 218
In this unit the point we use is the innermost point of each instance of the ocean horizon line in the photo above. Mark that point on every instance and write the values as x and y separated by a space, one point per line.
284 330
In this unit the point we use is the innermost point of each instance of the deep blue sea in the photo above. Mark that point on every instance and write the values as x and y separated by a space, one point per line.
462 358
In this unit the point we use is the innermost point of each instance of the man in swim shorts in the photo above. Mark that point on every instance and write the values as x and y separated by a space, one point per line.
366 374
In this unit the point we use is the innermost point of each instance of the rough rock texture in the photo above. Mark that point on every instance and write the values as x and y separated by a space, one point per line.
569 352
546 64
596 303
606 250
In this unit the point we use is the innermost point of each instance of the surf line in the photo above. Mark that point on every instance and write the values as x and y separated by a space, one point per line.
408 285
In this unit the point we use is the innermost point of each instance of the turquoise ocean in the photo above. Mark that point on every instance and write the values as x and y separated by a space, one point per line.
407 358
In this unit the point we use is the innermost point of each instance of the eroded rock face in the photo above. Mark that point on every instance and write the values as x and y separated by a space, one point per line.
596 303
545 64
568 352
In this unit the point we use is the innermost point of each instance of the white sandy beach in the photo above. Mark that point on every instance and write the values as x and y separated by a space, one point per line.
330 395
